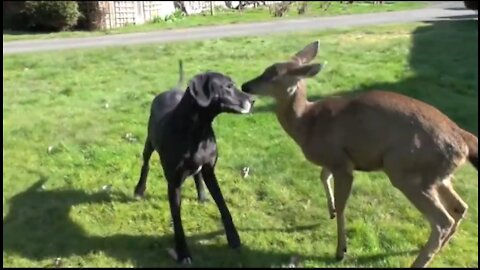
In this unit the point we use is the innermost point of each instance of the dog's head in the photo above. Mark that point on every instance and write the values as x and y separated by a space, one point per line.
219 92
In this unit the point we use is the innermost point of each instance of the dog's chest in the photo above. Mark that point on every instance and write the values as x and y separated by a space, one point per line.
196 156
204 152
186 152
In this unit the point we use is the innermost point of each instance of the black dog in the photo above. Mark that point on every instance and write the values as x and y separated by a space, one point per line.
180 130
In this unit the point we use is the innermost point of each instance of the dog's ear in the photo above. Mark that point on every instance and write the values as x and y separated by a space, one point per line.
200 90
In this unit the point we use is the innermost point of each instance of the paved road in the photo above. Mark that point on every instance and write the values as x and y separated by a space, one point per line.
436 11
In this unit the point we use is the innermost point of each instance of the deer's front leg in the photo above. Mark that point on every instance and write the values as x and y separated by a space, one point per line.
326 177
342 190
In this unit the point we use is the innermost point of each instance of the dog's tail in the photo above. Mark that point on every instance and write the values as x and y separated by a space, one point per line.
181 74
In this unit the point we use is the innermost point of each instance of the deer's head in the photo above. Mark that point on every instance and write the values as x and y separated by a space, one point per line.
280 80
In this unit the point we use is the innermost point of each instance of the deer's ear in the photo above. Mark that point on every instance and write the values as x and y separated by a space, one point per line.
307 54
306 71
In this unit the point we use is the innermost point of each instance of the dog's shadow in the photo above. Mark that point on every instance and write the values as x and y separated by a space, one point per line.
43 216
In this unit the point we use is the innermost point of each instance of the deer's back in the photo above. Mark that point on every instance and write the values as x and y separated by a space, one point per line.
374 126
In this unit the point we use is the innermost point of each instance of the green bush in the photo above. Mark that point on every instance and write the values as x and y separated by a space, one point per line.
51 15
13 18
177 15
91 17
473 5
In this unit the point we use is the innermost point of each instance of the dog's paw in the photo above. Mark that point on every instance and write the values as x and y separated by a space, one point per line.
234 241
138 197
184 258
339 257
139 193
202 200
341 254
186 261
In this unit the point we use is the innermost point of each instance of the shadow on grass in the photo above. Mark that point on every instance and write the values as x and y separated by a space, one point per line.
15 33
444 59
458 17
21 33
38 226
456 8
33 33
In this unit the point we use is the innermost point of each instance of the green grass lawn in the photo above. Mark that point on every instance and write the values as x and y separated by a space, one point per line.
58 100
227 17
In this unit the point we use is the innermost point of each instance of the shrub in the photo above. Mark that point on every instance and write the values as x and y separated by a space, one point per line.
51 15
177 15
302 7
91 15
278 10
325 5
13 18
473 5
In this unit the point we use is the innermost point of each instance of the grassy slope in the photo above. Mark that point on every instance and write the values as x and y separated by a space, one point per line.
226 17
58 99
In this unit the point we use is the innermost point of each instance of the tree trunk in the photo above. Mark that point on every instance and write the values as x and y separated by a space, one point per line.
212 10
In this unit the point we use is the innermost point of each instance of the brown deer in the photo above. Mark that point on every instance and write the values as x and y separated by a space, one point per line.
416 145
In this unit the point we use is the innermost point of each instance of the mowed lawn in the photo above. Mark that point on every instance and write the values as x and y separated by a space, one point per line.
75 121
221 17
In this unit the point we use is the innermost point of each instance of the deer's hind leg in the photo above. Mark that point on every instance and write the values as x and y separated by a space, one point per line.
455 206
424 195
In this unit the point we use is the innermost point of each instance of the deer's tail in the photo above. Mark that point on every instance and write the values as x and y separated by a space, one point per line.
472 143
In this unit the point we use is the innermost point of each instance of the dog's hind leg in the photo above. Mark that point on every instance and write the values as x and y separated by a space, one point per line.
142 182
202 196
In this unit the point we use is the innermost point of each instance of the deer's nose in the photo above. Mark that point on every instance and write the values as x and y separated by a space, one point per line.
246 88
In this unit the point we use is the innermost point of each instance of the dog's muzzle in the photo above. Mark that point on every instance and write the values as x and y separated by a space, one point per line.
247 106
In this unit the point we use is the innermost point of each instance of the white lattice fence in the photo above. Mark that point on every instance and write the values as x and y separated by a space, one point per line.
124 12
195 7
121 13
154 9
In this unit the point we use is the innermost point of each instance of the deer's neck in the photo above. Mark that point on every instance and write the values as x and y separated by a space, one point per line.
291 113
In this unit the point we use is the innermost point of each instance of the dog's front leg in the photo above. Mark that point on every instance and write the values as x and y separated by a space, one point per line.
212 185
175 200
